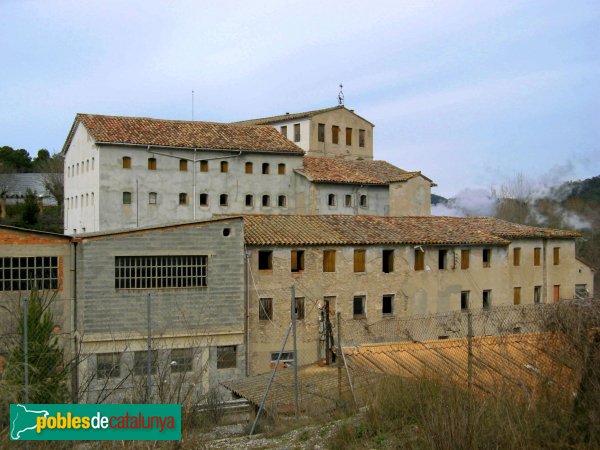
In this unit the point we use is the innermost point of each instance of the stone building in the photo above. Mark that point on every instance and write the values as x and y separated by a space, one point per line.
335 132
123 172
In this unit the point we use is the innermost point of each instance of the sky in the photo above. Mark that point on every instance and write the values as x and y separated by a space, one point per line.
469 92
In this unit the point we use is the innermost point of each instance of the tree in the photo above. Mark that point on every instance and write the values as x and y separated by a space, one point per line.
31 208
47 372
53 169
6 184
19 159
43 155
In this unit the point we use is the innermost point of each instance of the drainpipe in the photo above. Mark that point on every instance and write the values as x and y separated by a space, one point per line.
247 321
194 190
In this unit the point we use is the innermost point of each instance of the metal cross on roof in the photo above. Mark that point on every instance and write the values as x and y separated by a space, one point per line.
341 96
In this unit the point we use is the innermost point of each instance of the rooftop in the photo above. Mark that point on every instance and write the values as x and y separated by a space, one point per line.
294 116
181 134
287 230
334 170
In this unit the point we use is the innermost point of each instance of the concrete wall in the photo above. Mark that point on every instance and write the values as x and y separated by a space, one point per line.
415 292
112 319
410 198
377 199
344 119
305 130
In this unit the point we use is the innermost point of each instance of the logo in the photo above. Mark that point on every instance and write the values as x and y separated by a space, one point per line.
95 422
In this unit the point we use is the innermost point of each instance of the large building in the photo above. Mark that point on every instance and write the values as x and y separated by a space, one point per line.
123 172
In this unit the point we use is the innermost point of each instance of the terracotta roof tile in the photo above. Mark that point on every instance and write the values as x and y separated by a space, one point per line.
293 116
289 230
332 170
182 134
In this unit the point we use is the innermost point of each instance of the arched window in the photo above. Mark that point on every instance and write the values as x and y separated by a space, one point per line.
249 167
266 201
282 201
363 201
204 199
183 198
331 200
224 166
151 163
223 199
265 168
249 200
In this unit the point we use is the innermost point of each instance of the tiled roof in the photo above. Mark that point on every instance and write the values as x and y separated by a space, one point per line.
294 116
182 134
288 230
333 170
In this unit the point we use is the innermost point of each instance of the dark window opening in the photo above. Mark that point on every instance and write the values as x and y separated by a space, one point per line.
223 199
204 166
265 260
249 200
282 201
281 169
265 309
361 138
297 263
348 201
265 168
284 130
464 300
108 365
388 261
419 259
204 199
486 257
140 362
331 200
358 307
183 165
321 132
249 167
442 259
300 308
266 201
363 201
387 305
127 198
183 198
487 299
297 132
151 163
224 166
537 294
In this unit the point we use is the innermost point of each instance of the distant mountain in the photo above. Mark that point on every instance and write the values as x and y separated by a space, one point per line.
438 200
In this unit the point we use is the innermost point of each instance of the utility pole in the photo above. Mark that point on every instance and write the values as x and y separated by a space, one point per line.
149 355
294 314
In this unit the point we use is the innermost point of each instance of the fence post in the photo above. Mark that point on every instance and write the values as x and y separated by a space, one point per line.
149 355
26 348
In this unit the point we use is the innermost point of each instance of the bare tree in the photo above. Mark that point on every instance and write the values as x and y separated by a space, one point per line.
53 169
515 199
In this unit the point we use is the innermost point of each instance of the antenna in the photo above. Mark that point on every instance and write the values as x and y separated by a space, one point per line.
192 105
341 96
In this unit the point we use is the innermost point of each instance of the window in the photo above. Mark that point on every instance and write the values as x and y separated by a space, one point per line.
442 259
516 256
419 259
93 160
537 294
108 365
265 309
265 260
537 253
68 171
224 166
297 264
300 308
487 299
285 358
464 300
265 168
77 168
297 132
331 200
160 272
464 259
183 165
140 362
328 260
282 201
359 260
183 198
249 200
151 163
27 272
517 296
556 256
249 167
126 162
348 136
387 302
486 257
281 169
581 291
387 261
182 360
335 134
361 138
226 357
556 292
363 201
358 307
321 132
266 201
223 199
87 165
204 199
126 198
203 165
151 198
284 130
348 201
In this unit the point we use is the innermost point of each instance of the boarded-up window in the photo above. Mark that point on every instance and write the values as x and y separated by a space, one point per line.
204 199
126 198
556 256
284 130
297 132
321 132
556 292
517 256
328 260
282 201
348 136
265 168
487 299
387 303
537 294
126 162
537 256
464 300
359 260
281 169
204 166
183 165
249 199
265 309
419 259
517 296
335 134
464 259
265 260
224 166
249 167
151 163
361 138
387 260
300 308
486 257
297 263
226 357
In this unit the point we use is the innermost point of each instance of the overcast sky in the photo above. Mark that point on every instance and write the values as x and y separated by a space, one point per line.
467 92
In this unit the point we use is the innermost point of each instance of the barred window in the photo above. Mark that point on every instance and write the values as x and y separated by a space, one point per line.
140 362
108 365
160 272
26 273
226 357
182 360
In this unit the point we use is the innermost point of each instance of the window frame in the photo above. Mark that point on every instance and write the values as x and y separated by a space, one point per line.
300 303
265 309
464 300
226 356
224 200
109 369
249 201
282 201
297 260
183 199
127 198
486 261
